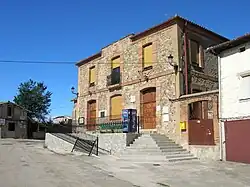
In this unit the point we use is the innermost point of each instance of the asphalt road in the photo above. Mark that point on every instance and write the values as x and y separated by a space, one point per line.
25 163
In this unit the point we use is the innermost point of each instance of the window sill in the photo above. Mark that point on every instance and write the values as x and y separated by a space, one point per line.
244 100
198 68
147 68
115 86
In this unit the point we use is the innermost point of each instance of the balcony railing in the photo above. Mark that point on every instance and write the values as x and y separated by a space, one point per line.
114 78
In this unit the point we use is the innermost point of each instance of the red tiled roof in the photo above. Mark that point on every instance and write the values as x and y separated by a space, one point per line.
170 22
229 44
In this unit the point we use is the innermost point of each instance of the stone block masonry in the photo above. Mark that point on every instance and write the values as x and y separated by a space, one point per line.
135 79
115 143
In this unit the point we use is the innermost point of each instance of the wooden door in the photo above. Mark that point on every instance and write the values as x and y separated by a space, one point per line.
91 118
148 108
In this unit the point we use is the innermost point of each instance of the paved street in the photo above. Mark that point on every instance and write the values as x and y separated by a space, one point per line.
26 163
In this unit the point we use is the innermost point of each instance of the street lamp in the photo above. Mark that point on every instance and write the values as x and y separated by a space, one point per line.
73 91
172 63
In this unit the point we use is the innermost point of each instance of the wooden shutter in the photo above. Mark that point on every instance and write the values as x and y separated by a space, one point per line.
147 56
92 75
116 107
202 58
194 52
116 63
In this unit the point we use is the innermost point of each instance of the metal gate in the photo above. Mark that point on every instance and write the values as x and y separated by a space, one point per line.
237 136
200 128
201 132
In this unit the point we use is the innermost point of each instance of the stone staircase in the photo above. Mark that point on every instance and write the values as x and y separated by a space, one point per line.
155 148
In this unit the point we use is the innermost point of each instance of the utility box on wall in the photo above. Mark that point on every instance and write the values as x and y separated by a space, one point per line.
183 126
129 120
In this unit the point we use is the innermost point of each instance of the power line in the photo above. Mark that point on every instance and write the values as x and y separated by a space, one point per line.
37 62
61 62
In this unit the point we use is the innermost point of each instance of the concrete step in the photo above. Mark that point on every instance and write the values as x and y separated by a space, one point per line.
143 147
172 150
175 152
144 159
155 157
182 159
170 146
163 141
179 155
166 144
142 153
159 136
143 143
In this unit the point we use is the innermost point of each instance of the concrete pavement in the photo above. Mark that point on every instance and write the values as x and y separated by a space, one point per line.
28 164
25 163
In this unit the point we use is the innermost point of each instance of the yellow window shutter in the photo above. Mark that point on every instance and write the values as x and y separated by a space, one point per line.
147 56
116 107
92 75
116 62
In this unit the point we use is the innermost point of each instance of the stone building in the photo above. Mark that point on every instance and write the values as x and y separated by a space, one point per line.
13 121
146 71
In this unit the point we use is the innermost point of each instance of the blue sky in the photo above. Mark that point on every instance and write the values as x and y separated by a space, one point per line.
72 30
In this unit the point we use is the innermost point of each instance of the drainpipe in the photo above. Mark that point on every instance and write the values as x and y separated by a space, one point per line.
219 103
186 57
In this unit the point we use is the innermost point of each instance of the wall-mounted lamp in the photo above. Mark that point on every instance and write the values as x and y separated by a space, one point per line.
172 63
73 91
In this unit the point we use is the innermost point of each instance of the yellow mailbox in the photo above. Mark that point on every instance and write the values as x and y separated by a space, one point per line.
183 126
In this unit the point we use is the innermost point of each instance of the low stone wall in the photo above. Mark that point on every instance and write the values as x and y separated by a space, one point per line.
38 135
85 135
130 137
57 145
113 142
205 152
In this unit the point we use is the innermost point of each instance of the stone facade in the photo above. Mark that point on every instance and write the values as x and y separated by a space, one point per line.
201 151
165 40
15 120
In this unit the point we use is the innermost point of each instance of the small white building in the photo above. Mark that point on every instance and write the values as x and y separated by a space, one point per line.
234 98
62 119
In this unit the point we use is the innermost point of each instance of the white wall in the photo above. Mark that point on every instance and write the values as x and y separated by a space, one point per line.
233 63
57 145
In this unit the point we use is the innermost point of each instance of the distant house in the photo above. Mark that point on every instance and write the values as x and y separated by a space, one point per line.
13 120
234 97
62 120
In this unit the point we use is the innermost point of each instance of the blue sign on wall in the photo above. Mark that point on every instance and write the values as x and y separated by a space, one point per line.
125 120
129 120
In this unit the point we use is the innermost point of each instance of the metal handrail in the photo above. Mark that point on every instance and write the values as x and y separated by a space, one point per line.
93 147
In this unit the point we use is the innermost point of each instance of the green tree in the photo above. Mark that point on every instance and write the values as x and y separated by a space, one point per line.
34 97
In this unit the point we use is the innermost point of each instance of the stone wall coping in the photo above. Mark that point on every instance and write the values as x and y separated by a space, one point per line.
183 97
